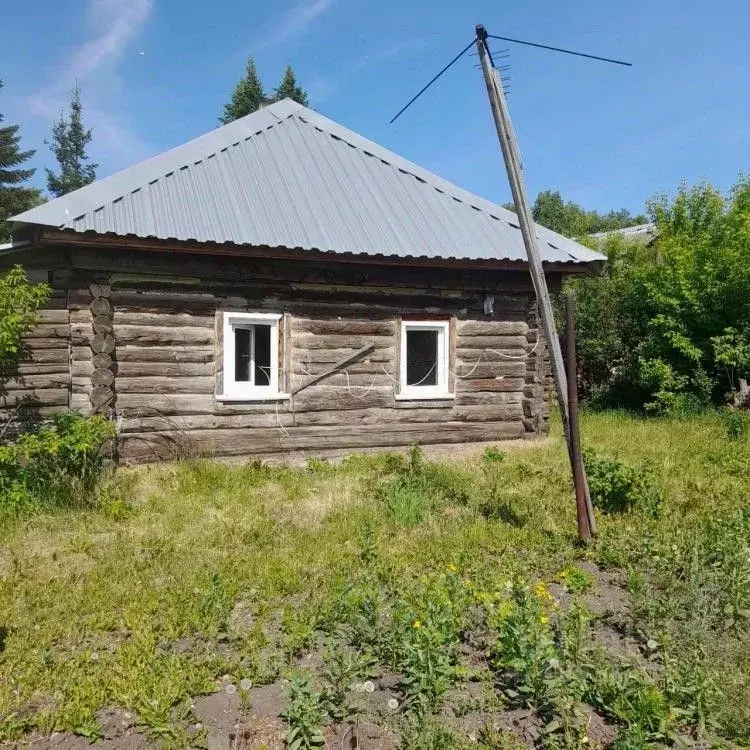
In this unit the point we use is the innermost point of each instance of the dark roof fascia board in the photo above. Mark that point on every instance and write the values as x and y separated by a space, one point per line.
132 242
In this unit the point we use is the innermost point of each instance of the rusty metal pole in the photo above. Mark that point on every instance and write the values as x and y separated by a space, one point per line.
584 513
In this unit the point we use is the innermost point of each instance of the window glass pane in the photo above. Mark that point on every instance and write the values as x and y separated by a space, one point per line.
262 354
421 357
242 355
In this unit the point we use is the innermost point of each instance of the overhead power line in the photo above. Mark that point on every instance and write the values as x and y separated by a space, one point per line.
560 49
424 88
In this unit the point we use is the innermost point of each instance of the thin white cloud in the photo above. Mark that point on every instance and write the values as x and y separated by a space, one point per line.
118 22
113 25
293 23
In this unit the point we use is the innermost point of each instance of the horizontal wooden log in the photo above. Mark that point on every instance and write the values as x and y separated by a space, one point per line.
491 398
416 415
321 398
165 369
31 412
501 343
82 369
81 353
43 397
491 327
329 356
151 446
54 317
157 384
181 404
307 341
46 343
343 327
519 354
165 353
491 384
47 356
164 335
472 371
80 317
43 380
301 368
127 318
189 422
48 331
36 368
80 402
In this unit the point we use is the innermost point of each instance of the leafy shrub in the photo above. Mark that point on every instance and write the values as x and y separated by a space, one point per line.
665 327
617 487
19 302
57 465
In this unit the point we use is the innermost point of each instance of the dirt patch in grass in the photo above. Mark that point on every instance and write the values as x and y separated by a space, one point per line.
118 727
234 719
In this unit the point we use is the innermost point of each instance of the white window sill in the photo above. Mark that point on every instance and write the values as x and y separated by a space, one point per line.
417 396
252 398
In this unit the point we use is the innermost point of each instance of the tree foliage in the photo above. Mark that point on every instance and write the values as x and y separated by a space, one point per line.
668 325
248 95
551 211
15 195
19 303
68 144
288 88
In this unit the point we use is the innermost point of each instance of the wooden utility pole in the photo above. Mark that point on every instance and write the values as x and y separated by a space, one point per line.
585 528
512 159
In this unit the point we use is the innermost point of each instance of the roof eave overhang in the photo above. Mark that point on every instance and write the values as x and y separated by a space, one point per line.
110 241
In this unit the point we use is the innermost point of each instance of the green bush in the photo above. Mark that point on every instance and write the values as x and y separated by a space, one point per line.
665 328
617 487
57 465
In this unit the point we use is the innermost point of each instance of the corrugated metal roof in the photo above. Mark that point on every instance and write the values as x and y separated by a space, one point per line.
287 177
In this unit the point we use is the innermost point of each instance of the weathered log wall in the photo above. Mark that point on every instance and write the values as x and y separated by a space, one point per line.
145 347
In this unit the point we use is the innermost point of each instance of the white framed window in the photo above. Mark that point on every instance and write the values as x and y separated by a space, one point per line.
424 366
251 357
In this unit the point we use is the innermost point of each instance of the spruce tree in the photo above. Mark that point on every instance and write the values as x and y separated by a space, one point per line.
15 197
288 88
69 141
247 97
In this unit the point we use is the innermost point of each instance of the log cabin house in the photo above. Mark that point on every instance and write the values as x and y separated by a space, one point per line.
280 285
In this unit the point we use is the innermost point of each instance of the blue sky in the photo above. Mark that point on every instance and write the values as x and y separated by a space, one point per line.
155 73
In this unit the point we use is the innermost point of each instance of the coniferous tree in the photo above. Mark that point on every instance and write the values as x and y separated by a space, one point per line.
247 96
69 141
288 88
15 196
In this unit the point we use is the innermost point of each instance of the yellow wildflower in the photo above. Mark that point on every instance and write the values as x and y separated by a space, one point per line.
544 619
416 624
452 568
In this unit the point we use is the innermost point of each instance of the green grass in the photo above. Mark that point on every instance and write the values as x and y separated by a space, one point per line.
399 561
